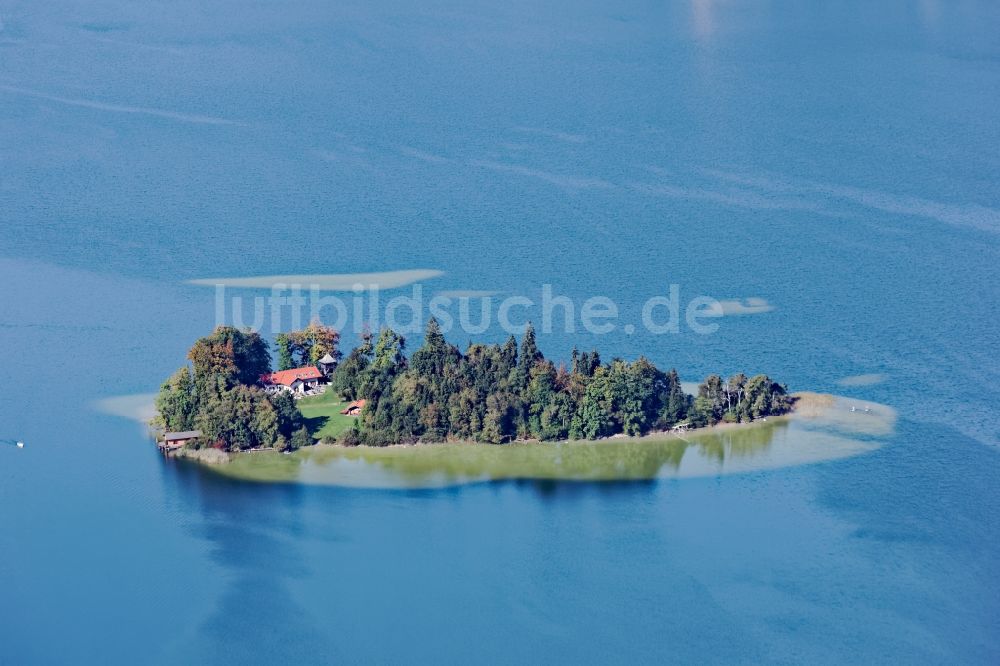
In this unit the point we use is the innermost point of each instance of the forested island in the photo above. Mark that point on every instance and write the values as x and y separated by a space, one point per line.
228 399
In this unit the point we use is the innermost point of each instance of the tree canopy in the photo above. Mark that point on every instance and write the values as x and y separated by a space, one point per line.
220 395
499 393
489 393
306 347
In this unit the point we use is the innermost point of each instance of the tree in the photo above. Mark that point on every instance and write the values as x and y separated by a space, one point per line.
283 345
177 402
239 419
238 357
733 389
529 354
434 422
375 384
675 403
387 362
298 349
710 403
588 363
632 394
389 352
435 354
300 438
289 417
498 423
508 357
763 397
324 340
557 418
346 380
540 393
593 416
265 421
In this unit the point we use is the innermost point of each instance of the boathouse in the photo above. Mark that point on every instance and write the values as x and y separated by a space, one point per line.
175 440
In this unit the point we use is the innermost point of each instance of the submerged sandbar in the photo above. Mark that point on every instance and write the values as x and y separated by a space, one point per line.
823 427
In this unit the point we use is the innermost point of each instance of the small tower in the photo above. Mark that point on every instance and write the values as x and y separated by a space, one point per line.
327 364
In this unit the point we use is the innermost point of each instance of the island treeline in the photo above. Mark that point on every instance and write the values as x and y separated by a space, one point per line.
490 393
501 393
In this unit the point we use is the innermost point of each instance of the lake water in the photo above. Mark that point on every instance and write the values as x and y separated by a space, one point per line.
836 160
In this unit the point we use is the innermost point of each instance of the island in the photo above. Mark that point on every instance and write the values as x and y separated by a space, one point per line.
228 401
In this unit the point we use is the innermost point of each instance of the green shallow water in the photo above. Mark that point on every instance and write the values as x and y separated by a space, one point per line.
829 432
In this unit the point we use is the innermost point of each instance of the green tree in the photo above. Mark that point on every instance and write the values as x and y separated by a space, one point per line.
529 354
710 403
734 390
675 403
239 419
177 402
464 414
283 345
593 416
498 423
306 347
300 439
289 417
628 388
323 340
382 422
346 380
238 357
539 395
508 357
557 418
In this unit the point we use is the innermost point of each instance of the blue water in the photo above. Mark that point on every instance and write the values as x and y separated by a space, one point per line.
837 159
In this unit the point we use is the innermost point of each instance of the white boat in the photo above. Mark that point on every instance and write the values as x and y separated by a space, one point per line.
20 445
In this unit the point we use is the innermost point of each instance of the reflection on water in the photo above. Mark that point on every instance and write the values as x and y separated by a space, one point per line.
826 428
254 533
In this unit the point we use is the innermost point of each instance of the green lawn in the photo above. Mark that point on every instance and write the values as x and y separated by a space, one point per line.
323 417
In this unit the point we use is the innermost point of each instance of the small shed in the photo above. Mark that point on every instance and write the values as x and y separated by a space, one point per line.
175 440
354 408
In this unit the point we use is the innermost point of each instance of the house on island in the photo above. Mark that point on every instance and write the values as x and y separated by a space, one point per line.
354 408
175 440
298 381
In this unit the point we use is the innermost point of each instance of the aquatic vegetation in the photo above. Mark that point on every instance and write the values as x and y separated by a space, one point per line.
862 380
826 429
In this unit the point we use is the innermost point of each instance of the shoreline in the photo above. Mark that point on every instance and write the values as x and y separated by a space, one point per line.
821 427
217 457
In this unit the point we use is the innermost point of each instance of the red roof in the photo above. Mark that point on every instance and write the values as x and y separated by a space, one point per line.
360 404
288 377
